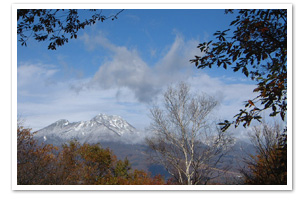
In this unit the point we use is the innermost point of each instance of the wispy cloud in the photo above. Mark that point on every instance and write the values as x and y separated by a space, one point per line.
40 72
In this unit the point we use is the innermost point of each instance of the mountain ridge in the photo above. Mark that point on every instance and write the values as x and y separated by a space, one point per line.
101 128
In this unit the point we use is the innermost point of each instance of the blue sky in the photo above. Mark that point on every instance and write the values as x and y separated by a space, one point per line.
121 67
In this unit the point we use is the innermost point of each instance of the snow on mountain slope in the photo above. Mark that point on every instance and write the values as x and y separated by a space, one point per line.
101 128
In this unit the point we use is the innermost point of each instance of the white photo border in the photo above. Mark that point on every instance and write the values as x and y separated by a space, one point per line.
289 185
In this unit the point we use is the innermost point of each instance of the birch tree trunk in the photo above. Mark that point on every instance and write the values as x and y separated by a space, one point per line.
182 140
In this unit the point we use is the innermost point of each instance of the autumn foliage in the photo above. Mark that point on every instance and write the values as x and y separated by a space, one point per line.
36 163
74 164
269 165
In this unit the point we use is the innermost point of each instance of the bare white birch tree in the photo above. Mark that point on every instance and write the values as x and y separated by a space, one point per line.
183 142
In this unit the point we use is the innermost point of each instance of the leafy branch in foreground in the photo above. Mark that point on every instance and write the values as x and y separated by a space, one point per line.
258 48
55 25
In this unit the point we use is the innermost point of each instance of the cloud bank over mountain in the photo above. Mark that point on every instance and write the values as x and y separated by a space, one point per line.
125 84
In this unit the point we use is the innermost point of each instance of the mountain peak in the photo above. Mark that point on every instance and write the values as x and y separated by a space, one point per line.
114 122
104 117
100 128
62 122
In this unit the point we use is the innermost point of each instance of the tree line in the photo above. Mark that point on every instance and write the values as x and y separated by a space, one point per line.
73 164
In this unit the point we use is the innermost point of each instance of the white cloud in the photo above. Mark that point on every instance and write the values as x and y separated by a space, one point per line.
230 96
127 69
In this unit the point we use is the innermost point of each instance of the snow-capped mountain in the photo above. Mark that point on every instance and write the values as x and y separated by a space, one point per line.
101 128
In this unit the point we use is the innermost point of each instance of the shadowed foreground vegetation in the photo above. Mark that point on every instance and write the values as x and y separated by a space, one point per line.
86 164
